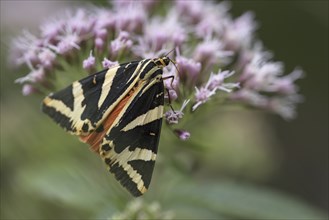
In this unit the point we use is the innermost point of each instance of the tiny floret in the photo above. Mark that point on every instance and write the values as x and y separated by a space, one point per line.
182 134
89 63
173 117
106 63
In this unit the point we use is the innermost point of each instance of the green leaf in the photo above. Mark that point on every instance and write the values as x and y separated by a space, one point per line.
236 201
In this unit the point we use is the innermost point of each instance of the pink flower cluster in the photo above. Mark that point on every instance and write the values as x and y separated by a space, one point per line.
211 48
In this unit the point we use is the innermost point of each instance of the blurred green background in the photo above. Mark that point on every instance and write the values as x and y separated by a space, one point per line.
237 164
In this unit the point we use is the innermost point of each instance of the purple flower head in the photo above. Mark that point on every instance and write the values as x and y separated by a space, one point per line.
249 96
51 29
67 41
284 106
210 52
239 33
89 63
47 58
171 32
249 54
131 18
120 4
67 31
28 89
35 76
146 50
260 74
108 63
104 19
101 33
202 95
189 69
25 49
182 134
122 42
216 81
172 95
172 117
81 23
285 84
99 44
190 10
213 19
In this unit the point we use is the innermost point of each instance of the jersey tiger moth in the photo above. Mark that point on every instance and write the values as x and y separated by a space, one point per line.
118 112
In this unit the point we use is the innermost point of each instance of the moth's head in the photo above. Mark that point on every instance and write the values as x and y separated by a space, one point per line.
162 62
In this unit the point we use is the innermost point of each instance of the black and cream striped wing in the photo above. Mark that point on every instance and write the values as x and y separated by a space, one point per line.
81 107
129 148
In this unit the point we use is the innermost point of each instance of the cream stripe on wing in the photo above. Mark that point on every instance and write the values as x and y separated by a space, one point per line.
127 155
58 105
136 71
107 84
146 118
135 177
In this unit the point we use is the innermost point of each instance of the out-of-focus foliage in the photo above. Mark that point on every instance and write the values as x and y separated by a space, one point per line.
217 174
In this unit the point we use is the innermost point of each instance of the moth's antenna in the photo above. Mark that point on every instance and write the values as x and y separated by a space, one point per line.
169 52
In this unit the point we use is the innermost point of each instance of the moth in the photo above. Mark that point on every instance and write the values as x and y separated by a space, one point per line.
118 112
